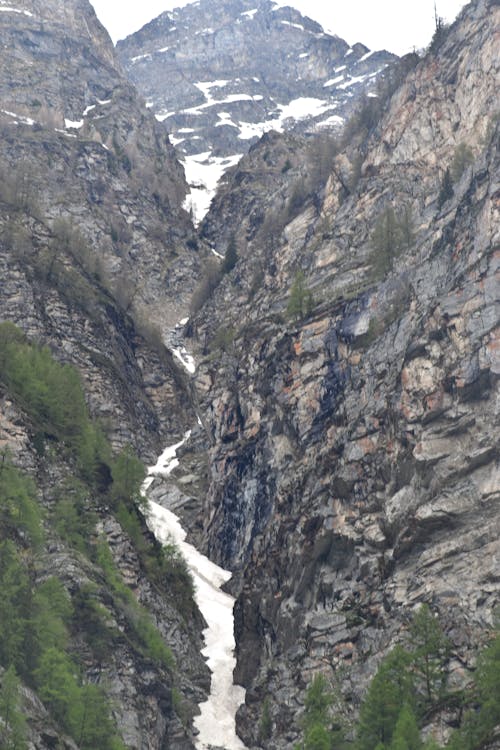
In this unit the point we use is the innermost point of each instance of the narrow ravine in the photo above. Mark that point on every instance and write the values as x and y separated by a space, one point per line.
216 723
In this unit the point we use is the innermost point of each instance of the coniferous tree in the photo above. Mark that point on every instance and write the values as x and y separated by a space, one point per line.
12 721
230 256
446 189
462 158
390 689
300 302
406 735
430 655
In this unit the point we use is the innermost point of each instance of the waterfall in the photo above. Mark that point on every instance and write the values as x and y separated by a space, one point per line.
216 722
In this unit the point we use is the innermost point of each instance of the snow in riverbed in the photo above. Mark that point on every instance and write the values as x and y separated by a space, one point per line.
216 723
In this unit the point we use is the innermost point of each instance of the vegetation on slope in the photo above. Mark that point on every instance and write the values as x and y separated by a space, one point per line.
40 617
410 689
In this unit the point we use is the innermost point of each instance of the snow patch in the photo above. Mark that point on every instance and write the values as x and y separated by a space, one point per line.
211 102
216 722
353 81
333 120
225 119
74 124
16 10
206 86
203 172
333 81
297 109
250 13
294 25
185 359
175 141
163 115
133 60
365 57
18 118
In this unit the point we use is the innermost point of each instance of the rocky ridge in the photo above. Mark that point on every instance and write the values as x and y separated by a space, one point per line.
220 74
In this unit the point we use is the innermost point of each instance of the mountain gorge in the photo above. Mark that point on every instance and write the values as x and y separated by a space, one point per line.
343 455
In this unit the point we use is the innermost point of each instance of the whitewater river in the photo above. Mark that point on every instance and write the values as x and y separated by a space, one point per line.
216 723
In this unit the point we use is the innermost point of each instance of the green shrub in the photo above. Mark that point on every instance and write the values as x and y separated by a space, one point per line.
463 157
139 621
300 302
52 395
230 256
20 514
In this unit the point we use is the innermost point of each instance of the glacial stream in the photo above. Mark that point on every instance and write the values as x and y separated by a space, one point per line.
216 723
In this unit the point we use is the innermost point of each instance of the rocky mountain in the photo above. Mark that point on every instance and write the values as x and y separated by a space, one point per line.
220 74
342 459
354 456
118 177
93 248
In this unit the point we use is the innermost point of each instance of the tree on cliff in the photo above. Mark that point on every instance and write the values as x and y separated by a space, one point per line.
231 256
446 189
300 302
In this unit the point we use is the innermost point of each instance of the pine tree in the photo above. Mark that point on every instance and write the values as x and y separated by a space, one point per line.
406 735
430 655
230 256
462 158
386 239
390 689
300 302
12 721
446 189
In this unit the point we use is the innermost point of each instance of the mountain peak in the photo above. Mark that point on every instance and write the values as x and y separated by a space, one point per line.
220 74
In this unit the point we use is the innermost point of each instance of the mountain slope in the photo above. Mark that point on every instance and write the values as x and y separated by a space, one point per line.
92 236
74 123
354 463
220 74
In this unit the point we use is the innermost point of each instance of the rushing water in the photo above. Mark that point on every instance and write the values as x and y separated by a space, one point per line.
216 723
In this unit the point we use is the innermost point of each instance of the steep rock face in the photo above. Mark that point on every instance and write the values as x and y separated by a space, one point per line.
91 236
142 692
354 459
78 142
88 233
220 74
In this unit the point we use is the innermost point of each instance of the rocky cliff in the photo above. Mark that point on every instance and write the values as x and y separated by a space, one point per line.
220 74
76 131
354 459
97 258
